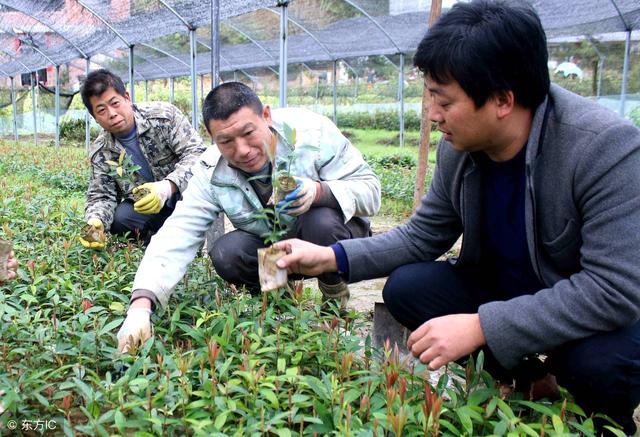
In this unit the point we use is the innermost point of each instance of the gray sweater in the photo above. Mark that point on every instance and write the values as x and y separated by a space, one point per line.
582 213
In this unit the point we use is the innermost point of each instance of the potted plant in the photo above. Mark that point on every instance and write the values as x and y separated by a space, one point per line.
271 276
5 251
124 171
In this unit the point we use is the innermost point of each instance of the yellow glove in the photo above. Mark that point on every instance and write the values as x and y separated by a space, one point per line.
93 234
158 194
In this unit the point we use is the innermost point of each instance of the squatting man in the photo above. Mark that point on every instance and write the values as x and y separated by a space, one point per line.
336 192
544 186
157 137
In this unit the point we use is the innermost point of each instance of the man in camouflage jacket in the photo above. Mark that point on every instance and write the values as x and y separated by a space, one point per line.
154 136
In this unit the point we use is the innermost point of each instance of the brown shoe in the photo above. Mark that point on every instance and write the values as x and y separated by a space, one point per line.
338 292
545 387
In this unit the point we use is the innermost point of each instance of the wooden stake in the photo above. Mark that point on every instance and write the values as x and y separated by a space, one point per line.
425 125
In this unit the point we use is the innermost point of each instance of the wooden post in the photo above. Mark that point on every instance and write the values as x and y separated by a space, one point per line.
425 125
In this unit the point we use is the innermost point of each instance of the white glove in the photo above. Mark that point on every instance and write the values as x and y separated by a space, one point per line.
152 203
135 329
301 198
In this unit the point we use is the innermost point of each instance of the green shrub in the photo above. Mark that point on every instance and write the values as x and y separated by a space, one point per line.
387 120
634 116
73 131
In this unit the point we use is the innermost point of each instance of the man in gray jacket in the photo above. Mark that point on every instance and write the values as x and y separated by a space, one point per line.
544 187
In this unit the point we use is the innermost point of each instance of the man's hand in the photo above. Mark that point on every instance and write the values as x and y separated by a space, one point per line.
152 203
12 266
136 328
301 198
444 339
93 235
306 258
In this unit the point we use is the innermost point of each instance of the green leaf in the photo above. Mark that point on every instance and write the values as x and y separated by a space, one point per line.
558 425
220 420
283 432
527 429
617 432
542 409
116 307
271 397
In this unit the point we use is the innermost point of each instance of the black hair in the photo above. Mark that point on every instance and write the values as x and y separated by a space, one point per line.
488 47
97 82
227 98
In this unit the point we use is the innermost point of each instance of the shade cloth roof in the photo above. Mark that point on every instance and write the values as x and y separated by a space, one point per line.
38 33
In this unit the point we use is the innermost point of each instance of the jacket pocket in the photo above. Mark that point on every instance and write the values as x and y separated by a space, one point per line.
164 160
564 250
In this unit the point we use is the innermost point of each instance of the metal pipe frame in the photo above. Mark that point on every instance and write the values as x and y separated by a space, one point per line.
15 110
625 72
215 43
87 120
57 106
194 90
34 84
132 85
283 52
335 92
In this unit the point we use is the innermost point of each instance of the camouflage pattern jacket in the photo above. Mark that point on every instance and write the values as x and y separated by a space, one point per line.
217 187
168 142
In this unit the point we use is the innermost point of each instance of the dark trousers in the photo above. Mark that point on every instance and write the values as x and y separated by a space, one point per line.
140 226
602 372
235 256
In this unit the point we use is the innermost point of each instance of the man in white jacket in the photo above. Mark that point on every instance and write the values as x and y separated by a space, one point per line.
336 191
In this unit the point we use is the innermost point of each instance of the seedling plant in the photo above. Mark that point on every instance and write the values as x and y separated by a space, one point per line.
220 362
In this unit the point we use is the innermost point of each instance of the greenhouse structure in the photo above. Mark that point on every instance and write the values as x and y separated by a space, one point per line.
146 40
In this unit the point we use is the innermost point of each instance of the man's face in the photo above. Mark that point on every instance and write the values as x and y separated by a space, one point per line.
466 127
242 137
113 112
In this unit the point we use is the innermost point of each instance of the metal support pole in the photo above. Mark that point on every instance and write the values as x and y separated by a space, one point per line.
625 72
401 96
172 81
217 228
283 52
202 87
215 43
355 91
317 90
132 90
57 106
146 90
235 75
600 68
194 84
34 84
87 120
15 111
335 92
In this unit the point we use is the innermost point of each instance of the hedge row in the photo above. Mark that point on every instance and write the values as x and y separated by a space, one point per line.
387 120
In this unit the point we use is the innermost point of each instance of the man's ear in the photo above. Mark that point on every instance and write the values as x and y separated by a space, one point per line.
266 114
505 101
